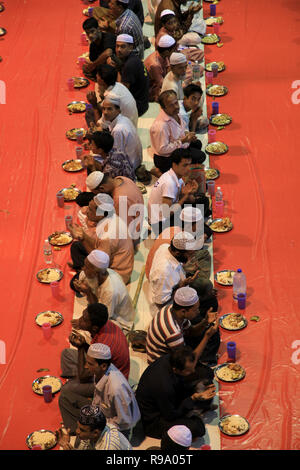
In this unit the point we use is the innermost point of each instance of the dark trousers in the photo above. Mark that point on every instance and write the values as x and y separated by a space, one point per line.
165 163
78 255
160 425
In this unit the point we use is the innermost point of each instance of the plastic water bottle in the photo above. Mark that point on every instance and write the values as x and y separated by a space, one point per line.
219 194
196 72
47 252
239 283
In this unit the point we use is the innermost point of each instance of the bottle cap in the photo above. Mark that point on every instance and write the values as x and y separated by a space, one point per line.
239 270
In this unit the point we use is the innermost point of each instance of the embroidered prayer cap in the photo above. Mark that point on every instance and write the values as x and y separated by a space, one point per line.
99 351
94 179
181 435
191 214
99 259
166 41
167 12
184 241
91 415
186 296
125 38
105 203
177 58
113 99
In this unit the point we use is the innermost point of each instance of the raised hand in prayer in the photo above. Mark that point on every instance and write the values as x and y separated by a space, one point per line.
212 329
190 187
81 286
77 340
211 316
76 231
92 98
195 8
103 24
88 67
208 394
63 438
189 137
89 161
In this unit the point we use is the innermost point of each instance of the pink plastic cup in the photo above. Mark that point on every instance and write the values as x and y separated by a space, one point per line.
79 137
216 28
60 199
84 40
79 151
211 188
68 221
212 135
54 288
71 84
81 60
219 209
46 327
209 77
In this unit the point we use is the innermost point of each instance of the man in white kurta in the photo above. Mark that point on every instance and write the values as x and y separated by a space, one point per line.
173 79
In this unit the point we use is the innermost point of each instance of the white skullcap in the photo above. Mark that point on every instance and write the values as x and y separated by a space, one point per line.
124 1
125 38
181 435
177 58
113 99
184 241
186 296
167 12
104 202
99 351
99 259
94 179
191 214
166 41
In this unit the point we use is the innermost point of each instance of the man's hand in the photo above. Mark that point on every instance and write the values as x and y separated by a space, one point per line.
211 316
196 114
208 394
81 286
195 8
190 187
189 137
110 61
77 340
88 67
63 438
88 160
92 98
103 24
75 324
212 330
76 231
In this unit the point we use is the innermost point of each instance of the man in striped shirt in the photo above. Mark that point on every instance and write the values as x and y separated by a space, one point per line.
172 325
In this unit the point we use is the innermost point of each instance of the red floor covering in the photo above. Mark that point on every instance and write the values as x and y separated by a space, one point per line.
258 176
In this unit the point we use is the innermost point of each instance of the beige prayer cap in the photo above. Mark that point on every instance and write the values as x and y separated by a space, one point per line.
184 241
99 259
166 41
177 58
167 12
181 435
125 38
94 179
186 296
113 99
104 202
191 214
99 351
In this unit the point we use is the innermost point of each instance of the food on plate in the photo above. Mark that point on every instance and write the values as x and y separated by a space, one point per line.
225 277
54 318
234 425
39 383
211 174
79 82
221 119
221 66
49 275
230 372
214 19
210 39
45 439
60 238
233 321
216 147
217 90
71 134
73 165
76 107
222 225
70 194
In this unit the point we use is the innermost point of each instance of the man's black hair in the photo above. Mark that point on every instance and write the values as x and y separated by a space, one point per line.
179 356
90 23
98 314
192 88
103 140
179 154
108 74
84 198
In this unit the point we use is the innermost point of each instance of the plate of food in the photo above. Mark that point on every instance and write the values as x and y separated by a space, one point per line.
216 90
71 134
224 277
221 225
72 166
230 372
76 107
233 321
210 39
2 31
49 316
221 119
211 173
70 194
211 20
221 66
80 82
38 384
44 438
2 7
48 275
216 148
234 425
60 238
86 12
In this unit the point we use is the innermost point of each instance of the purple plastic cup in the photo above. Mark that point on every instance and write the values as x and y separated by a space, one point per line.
212 135
213 10
79 151
214 69
209 77
71 84
47 393
68 221
211 188
231 351
241 301
90 11
46 327
219 209
60 199
215 107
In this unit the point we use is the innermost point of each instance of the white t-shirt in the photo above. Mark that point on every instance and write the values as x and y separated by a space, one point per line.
168 185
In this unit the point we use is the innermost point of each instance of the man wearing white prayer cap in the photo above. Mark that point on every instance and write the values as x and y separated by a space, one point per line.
111 387
93 180
173 80
177 438
184 18
157 65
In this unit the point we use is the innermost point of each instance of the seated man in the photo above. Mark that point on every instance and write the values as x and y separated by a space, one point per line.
163 398
94 321
102 46
127 197
173 80
168 133
126 139
101 284
93 433
106 83
157 65
185 19
191 109
112 393
172 327
103 158
109 234
133 72
177 438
